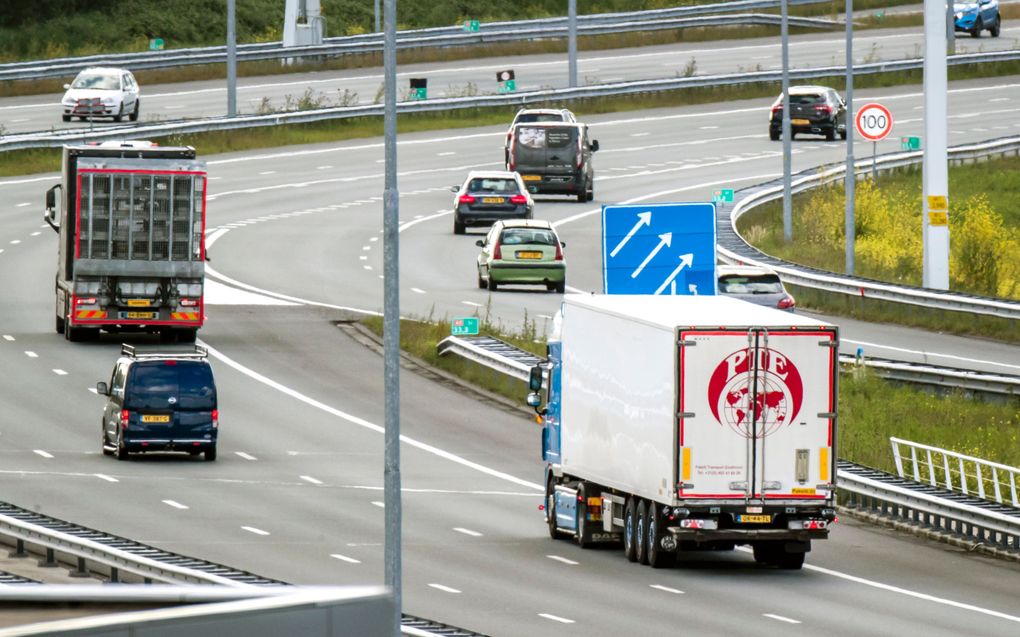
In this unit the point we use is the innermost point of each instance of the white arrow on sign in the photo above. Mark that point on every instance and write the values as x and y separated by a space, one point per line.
664 240
644 219
686 260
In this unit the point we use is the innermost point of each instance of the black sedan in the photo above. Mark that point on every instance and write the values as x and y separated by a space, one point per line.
816 110
490 196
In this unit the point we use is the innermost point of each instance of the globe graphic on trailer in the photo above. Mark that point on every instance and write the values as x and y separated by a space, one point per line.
770 410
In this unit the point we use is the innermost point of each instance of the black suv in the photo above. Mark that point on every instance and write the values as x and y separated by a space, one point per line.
817 110
160 401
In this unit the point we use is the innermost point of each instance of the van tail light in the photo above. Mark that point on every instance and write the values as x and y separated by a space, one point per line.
497 253
215 418
465 199
559 251
787 303
124 416
519 199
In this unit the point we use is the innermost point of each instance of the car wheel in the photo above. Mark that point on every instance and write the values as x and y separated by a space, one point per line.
481 281
774 135
583 526
561 287
210 454
66 118
641 532
842 135
629 529
134 114
458 227
582 196
122 452
975 32
994 29
120 114
492 285
830 136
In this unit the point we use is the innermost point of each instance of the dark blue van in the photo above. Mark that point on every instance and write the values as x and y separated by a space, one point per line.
160 401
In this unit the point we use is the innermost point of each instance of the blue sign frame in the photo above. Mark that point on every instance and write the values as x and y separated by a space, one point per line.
659 249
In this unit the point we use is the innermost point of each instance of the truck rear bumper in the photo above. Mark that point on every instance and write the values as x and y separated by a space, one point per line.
746 535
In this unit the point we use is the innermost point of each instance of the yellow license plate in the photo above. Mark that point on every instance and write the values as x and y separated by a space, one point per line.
140 315
529 255
138 302
800 122
754 519
155 418
531 177
492 200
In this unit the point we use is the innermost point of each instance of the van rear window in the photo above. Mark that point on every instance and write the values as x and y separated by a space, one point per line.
151 384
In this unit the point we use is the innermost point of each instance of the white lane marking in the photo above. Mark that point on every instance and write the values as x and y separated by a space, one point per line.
707 127
103 476
15 241
373 239
323 167
42 453
781 618
35 234
344 558
175 504
445 589
556 618
310 479
471 303
366 267
59 372
362 257
22 205
418 290
381 505
8 337
246 456
562 559
666 588
639 134
252 529
930 354
459 529
361 422
366 247
268 172
446 154
999 99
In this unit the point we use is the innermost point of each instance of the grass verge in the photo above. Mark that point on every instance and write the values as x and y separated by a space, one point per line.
954 421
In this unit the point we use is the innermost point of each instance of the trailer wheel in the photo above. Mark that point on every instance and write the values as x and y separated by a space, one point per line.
629 526
187 335
60 324
550 508
641 532
765 553
790 561
583 527
657 556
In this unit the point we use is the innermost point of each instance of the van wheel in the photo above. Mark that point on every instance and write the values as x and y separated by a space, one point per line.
122 452
591 192
561 287
629 529
107 451
210 454
774 135
481 281
66 118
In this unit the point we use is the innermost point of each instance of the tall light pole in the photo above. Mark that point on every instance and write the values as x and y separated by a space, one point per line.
784 31
391 317
849 228
935 202
572 42
231 60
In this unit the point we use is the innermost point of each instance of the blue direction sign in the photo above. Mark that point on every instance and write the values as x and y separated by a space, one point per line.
659 249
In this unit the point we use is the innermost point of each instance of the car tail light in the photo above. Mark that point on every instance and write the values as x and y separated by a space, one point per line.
465 199
497 253
824 109
124 416
777 107
85 300
559 251
786 303
518 199
215 418
189 302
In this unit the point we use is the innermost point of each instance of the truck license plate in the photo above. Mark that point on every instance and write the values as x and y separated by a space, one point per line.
156 418
754 519
138 315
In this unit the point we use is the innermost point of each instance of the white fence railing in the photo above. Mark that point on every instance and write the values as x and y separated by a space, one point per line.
956 471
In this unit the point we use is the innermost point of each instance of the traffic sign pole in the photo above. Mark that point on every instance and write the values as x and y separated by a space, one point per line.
849 233
935 222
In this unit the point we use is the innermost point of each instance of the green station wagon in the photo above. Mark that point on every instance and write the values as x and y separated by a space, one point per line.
522 251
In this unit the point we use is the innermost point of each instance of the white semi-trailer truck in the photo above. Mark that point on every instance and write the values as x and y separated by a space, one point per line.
682 422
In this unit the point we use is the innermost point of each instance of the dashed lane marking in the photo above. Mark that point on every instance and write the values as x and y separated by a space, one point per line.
252 529
244 455
310 479
445 589
562 559
780 618
103 476
344 558
557 618
59 372
175 504
44 454
467 531
667 589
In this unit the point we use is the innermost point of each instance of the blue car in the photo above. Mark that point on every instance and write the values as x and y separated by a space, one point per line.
975 17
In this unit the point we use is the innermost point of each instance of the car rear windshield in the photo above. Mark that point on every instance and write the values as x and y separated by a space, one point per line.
743 284
152 383
807 98
534 236
96 81
535 137
504 186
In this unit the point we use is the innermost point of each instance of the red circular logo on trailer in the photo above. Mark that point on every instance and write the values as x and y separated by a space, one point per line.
780 392
873 122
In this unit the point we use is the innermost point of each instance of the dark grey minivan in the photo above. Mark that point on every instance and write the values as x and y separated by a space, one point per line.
160 401
554 158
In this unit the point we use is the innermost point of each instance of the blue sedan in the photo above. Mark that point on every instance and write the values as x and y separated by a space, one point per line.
975 17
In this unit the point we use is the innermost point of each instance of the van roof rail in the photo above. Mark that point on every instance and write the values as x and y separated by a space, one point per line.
132 352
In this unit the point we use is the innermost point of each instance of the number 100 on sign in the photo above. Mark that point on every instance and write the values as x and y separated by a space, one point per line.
873 122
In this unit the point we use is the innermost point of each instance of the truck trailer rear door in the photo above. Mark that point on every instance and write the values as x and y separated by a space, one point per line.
756 413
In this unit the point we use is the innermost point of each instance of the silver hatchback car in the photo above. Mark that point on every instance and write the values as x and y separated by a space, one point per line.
759 285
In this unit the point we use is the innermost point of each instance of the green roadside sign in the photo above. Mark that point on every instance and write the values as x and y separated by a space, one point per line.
467 326
419 88
471 25
910 143
156 44
723 195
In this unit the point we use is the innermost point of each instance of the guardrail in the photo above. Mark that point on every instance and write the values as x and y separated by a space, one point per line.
593 24
956 471
738 251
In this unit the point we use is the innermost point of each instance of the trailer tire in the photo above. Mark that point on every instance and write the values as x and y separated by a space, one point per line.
629 525
641 532
658 557
790 561
60 325
583 527
765 553
187 335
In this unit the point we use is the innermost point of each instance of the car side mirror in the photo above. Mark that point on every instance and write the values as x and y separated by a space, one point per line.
594 145
563 244
67 86
480 243
102 389
454 188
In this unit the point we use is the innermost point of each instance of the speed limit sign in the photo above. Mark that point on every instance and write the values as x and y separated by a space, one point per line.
873 122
